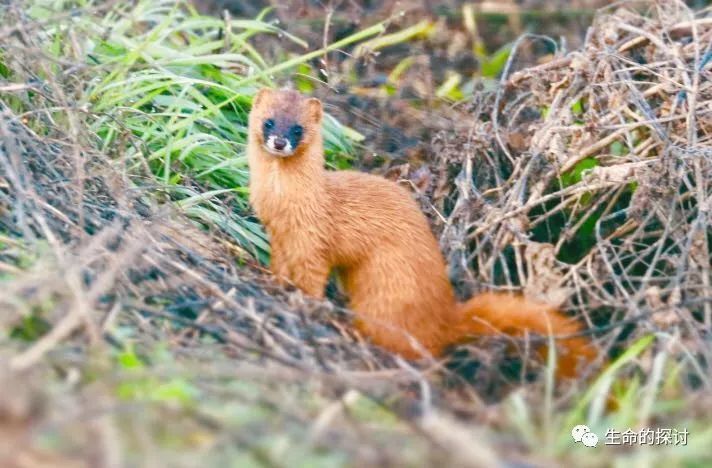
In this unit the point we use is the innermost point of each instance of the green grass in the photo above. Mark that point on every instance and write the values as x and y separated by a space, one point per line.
654 399
172 90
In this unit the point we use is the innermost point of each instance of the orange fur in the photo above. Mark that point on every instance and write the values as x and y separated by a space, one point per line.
372 233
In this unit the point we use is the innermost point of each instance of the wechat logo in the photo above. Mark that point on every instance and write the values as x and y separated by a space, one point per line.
583 434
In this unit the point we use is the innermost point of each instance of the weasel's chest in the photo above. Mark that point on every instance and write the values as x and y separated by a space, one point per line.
286 204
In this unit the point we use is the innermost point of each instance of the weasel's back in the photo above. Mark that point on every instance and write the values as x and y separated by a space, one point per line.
371 212
374 218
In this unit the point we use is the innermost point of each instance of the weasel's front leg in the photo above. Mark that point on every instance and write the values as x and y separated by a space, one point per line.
309 273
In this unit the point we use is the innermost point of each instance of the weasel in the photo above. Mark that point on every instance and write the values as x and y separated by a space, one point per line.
372 233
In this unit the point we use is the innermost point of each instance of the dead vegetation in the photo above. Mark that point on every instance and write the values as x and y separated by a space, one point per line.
131 336
598 189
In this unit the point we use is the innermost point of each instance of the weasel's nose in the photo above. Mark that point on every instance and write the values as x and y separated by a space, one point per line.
279 143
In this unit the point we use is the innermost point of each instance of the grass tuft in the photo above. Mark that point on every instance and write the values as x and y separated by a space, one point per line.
171 90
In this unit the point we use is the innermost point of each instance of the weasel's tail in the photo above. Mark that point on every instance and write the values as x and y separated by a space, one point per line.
490 314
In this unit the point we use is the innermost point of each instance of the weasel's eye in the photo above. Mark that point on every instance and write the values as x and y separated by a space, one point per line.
297 131
269 124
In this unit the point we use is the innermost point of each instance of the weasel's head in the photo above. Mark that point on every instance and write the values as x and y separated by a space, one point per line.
284 122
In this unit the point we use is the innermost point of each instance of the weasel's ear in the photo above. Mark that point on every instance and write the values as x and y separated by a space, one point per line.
315 110
259 97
